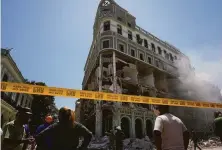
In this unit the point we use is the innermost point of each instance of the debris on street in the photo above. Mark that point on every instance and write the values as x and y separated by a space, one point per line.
211 143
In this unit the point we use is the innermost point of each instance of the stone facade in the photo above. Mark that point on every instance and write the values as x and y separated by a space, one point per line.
125 58
9 101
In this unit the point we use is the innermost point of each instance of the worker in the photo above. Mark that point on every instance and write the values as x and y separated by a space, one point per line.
218 124
111 136
14 136
119 137
66 133
47 141
194 138
169 131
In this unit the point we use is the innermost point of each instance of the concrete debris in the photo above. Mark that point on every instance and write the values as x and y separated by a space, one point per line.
129 144
211 143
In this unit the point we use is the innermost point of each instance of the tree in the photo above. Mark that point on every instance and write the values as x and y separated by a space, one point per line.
41 106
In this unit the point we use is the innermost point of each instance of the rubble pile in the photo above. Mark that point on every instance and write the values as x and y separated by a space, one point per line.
129 144
140 144
210 143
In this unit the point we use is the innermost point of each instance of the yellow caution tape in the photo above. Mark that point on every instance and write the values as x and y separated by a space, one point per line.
54 91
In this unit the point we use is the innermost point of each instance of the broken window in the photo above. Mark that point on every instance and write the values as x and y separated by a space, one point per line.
119 29
106 26
5 78
130 35
106 44
129 24
175 57
149 60
159 50
121 47
141 57
153 47
139 40
133 52
145 43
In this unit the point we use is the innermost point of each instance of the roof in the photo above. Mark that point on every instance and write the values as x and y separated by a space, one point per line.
6 53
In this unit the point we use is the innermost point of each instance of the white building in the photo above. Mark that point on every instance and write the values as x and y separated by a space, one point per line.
124 58
9 101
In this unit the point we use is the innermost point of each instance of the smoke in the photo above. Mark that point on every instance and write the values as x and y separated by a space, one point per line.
200 85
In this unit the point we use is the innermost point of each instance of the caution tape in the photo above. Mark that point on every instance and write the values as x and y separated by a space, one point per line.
90 95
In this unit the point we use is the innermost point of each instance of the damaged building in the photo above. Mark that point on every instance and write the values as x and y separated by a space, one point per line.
126 59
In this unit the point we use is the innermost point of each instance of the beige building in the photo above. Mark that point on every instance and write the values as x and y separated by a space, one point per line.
124 58
9 101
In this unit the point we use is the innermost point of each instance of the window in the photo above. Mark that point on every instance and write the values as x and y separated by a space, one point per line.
106 26
145 43
139 40
153 47
106 44
130 35
149 60
159 50
171 57
119 29
121 47
129 24
157 63
175 57
5 78
141 57
167 56
133 52
119 18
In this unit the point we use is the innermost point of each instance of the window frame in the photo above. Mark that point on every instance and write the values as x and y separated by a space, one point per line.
105 40
141 54
119 47
119 29
105 26
130 34
132 50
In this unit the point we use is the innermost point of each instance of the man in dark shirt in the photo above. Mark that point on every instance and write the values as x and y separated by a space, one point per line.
218 124
119 138
66 133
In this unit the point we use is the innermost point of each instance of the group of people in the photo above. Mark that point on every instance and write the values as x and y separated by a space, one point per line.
170 133
62 135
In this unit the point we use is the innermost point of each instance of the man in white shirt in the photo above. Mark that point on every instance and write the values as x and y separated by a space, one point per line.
169 131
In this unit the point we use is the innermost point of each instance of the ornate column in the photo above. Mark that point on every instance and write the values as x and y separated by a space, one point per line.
116 115
98 130
133 124
144 124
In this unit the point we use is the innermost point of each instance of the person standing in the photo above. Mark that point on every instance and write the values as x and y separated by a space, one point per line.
119 136
169 131
66 133
218 124
47 141
14 135
111 139
195 140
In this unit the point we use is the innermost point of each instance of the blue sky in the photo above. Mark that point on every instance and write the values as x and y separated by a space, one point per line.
51 39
